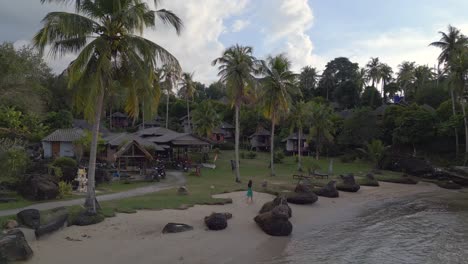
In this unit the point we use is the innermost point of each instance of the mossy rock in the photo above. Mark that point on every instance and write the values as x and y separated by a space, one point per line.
402 180
448 185
81 217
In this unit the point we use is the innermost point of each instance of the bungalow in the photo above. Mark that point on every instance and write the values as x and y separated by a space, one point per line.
185 124
116 140
132 158
119 120
156 122
60 142
260 140
222 133
292 143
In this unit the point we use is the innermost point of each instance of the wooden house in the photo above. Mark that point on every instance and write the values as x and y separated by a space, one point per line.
291 144
60 143
119 120
132 158
260 140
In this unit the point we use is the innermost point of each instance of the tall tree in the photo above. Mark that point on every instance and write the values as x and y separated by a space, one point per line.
423 75
322 126
278 84
448 43
299 118
171 74
107 35
338 72
237 67
373 70
307 82
386 74
406 77
206 119
187 89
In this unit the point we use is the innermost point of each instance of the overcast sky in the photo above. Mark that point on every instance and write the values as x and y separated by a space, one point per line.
310 32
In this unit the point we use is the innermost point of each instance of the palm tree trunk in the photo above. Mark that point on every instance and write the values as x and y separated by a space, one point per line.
317 145
452 95
237 171
465 121
299 152
188 116
110 117
272 147
167 109
91 196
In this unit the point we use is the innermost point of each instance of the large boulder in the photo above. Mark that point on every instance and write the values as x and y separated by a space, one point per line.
370 180
86 218
39 187
407 164
176 228
182 190
14 247
280 200
30 218
328 190
275 222
349 183
302 187
216 221
57 221
302 198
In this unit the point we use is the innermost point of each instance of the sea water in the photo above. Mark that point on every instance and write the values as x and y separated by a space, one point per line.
429 228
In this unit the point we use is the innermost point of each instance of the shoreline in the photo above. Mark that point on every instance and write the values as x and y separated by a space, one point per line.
129 237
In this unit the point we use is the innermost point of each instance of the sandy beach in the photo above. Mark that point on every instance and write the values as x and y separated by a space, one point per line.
137 238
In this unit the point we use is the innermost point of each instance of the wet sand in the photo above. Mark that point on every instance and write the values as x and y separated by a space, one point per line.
137 238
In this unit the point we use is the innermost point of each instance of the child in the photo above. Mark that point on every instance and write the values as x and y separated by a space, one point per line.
249 192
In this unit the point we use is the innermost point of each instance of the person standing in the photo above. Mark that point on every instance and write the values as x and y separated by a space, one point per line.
249 192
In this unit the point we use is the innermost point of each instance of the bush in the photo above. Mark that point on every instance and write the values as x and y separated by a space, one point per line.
13 164
252 155
278 157
67 168
242 155
64 162
64 189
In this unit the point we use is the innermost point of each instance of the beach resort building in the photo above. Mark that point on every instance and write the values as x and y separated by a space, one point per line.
260 140
291 143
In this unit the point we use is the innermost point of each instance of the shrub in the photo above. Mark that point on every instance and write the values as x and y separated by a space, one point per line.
251 155
242 155
278 157
13 163
64 162
226 146
67 168
64 189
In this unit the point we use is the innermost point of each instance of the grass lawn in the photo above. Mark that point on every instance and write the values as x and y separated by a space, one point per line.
222 179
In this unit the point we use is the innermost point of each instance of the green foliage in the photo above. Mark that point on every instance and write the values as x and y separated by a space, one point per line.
414 126
226 146
58 120
374 151
205 119
65 189
278 157
63 162
322 126
14 161
338 72
308 80
360 128
371 97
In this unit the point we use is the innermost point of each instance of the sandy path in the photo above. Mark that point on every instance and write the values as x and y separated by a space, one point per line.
137 238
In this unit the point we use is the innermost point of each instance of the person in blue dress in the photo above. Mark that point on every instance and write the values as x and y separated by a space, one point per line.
249 192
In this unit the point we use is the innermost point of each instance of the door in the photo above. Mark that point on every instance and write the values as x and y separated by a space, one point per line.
55 149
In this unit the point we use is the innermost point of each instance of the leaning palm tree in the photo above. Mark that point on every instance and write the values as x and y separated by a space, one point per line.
237 67
448 43
321 125
278 84
187 89
299 118
107 36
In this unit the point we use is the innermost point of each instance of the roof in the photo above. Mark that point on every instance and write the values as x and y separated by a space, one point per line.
85 125
65 135
118 139
154 131
189 140
261 132
127 146
294 136
119 115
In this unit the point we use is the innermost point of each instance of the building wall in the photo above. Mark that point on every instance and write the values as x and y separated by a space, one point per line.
67 149
47 147
290 145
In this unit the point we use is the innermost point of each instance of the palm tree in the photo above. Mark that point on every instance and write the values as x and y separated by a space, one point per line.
299 118
448 43
237 67
361 79
206 119
107 35
406 76
386 73
171 74
321 124
373 70
187 89
278 84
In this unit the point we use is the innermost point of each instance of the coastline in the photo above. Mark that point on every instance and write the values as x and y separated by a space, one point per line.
137 237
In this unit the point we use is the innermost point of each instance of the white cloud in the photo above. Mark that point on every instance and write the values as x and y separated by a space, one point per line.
239 25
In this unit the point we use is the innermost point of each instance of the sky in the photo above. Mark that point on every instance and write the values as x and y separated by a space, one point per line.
309 32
